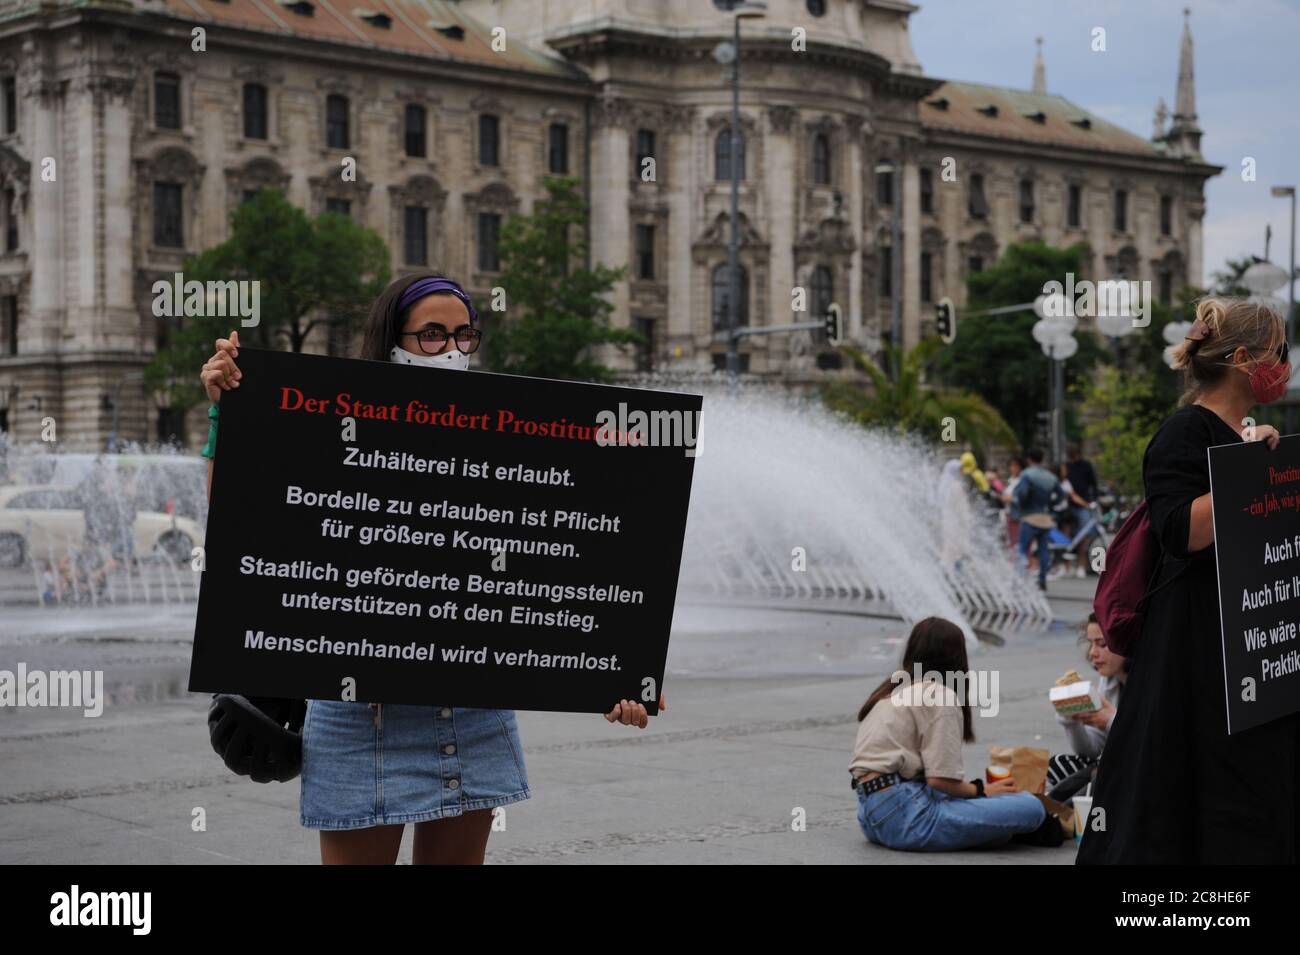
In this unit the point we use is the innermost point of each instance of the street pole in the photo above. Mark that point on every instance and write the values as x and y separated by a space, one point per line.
733 246
896 267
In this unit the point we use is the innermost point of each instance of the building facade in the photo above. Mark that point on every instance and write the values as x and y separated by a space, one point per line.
132 129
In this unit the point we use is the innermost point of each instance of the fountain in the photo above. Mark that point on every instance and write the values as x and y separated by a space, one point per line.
792 503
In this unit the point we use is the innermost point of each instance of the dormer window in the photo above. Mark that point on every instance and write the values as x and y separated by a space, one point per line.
1084 123
376 19
990 111
1040 117
940 103
300 7
452 31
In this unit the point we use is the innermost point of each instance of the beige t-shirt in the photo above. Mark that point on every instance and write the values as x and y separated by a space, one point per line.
917 731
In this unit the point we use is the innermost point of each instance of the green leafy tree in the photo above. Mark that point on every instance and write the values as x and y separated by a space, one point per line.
558 313
995 356
312 273
1122 413
911 405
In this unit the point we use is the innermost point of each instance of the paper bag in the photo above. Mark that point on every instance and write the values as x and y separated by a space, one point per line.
1064 814
1028 766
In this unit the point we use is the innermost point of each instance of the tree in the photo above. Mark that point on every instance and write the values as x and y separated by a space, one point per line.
1121 414
995 356
558 314
911 405
311 273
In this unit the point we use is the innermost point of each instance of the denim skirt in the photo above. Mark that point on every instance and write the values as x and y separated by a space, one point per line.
390 764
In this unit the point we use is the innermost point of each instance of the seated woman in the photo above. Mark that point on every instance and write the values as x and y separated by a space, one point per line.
1070 772
907 764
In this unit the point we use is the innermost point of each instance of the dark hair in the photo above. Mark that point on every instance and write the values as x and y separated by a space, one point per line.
934 644
1085 642
1016 460
1035 455
385 320
1071 450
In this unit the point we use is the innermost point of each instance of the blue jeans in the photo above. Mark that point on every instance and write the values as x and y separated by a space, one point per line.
1030 533
916 817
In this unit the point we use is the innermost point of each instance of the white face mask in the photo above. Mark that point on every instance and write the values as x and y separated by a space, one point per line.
454 359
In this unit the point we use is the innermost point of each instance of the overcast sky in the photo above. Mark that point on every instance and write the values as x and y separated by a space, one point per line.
1246 84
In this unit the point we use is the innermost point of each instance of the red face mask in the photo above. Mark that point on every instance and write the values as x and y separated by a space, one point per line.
1268 382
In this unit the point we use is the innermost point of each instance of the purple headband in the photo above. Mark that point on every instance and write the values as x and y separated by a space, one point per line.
419 289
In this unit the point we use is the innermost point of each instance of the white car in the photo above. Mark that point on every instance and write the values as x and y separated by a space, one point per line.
42 521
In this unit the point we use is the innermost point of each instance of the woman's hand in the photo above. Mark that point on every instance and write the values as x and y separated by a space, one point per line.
1263 432
631 713
1000 787
220 373
1100 717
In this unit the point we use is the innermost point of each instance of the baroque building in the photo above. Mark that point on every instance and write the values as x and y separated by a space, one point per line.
131 129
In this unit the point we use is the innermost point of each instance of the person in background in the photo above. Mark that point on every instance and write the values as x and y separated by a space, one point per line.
1083 479
1067 773
1037 492
907 762
1014 468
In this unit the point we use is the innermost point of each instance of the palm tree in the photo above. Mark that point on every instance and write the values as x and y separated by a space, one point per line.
911 405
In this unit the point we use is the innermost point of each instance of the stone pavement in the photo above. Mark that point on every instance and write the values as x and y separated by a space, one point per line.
717 779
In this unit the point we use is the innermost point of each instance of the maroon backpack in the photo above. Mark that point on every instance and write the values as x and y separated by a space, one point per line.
1131 562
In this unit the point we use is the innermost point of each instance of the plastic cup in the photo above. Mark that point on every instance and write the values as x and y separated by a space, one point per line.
1082 809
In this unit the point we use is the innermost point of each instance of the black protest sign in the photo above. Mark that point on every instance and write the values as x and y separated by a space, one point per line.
1257 550
442 537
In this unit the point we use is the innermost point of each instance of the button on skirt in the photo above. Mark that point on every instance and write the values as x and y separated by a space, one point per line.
390 764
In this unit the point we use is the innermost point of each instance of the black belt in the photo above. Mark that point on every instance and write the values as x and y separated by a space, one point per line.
880 782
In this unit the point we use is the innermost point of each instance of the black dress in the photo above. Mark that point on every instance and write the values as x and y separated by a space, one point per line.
1175 787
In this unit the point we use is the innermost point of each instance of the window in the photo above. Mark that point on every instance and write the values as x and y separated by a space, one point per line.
645 251
1166 287
1166 215
489 225
1026 200
342 207
817 7
557 148
975 264
248 195
885 187
11 325
886 283
336 121
167 101
10 105
645 351
415 235
1074 207
927 190
722 298
167 225
720 360
489 140
645 148
415 137
722 156
11 222
1121 210
822 292
171 426
255 117
821 159
927 277
977 205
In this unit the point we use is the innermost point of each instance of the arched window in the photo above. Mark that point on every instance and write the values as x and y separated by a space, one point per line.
722 156
822 291
722 296
821 159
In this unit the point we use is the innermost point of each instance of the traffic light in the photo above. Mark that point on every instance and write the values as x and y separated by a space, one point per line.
945 320
834 325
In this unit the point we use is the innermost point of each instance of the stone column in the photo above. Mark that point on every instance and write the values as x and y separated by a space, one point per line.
780 184
681 186
853 197
911 186
610 233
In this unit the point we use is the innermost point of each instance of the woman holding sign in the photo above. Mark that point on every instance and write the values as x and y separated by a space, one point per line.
1173 786
368 769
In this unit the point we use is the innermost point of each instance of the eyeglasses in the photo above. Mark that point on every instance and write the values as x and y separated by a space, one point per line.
433 337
